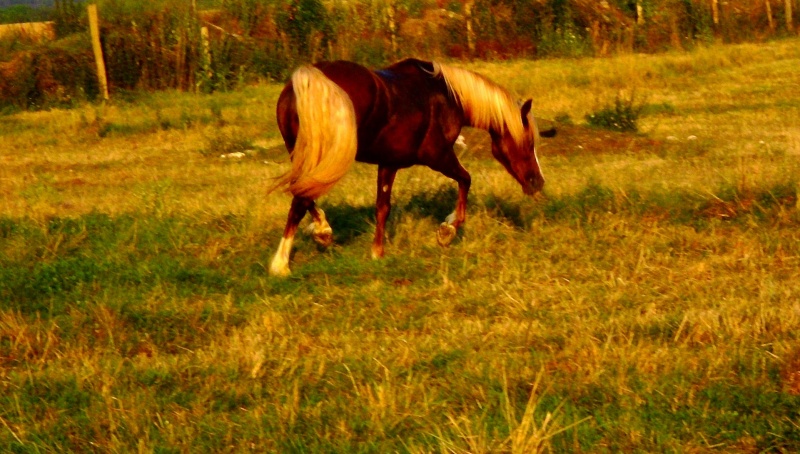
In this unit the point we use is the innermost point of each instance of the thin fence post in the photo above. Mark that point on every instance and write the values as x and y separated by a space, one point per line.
391 13
639 13
206 57
715 12
770 23
179 57
94 29
468 10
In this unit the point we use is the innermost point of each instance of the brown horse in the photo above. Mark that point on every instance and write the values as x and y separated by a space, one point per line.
334 113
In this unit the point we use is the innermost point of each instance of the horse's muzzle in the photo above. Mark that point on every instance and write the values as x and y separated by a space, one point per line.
533 185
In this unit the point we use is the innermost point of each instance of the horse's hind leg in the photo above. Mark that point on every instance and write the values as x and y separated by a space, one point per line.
320 230
280 262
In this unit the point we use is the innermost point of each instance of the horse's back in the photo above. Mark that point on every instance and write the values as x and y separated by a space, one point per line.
410 68
367 89
361 84
359 81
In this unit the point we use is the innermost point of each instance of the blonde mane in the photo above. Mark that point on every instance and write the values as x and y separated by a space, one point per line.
487 105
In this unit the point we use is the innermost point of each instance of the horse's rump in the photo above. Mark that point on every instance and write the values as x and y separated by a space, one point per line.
326 142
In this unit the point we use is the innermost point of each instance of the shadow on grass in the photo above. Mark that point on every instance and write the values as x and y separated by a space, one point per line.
437 205
510 212
350 222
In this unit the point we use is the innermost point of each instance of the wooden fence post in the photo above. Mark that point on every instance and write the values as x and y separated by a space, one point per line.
94 29
639 13
468 7
206 58
770 23
391 13
715 12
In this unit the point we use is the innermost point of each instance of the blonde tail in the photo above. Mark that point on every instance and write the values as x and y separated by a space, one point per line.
326 140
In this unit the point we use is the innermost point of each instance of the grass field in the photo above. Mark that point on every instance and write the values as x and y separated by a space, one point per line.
648 301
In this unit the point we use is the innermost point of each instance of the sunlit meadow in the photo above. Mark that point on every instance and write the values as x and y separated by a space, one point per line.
649 300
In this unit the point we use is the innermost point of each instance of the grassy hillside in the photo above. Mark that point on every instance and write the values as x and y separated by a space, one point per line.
649 300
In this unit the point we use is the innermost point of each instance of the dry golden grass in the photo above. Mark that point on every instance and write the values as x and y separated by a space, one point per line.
30 30
648 301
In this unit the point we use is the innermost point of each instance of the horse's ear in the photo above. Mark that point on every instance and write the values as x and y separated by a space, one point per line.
526 109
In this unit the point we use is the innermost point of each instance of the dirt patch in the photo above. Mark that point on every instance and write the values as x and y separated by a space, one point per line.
573 139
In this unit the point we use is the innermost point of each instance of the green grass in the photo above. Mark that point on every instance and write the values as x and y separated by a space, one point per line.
647 302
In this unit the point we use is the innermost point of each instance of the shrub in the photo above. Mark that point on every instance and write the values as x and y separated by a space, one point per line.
69 17
149 46
621 116
307 25
51 74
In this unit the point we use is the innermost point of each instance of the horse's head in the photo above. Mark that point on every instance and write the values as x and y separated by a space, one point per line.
519 156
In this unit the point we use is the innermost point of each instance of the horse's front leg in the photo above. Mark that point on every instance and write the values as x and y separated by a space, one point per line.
383 205
280 262
450 167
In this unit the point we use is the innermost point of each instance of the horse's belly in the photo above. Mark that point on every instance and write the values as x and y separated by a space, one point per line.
396 144
386 157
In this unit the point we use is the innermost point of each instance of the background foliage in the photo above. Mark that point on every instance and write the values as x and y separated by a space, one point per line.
157 44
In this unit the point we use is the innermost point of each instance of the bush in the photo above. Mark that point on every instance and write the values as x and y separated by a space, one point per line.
306 24
69 17
622 116
149 46
17 80
567 42
52 74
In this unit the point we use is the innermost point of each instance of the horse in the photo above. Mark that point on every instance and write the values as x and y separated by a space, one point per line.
332 114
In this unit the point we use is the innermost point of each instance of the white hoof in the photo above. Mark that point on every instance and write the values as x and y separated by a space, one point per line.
445 234
323 236
279 269
280 263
